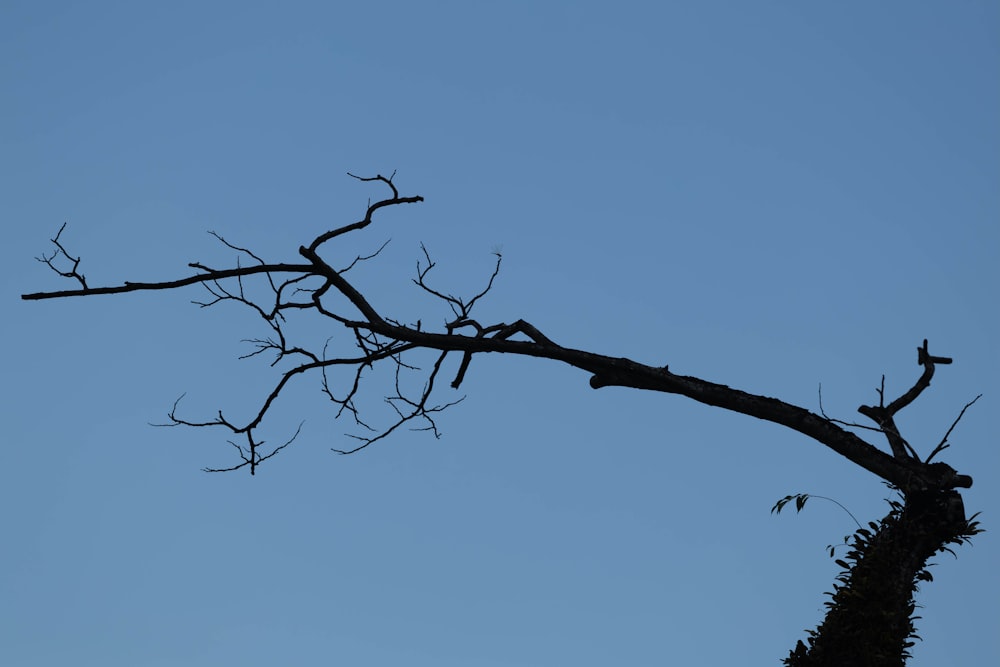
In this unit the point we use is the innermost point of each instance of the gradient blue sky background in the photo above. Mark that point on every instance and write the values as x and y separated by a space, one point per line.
771 195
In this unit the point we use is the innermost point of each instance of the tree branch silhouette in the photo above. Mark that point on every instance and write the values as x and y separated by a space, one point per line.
888 560
379 338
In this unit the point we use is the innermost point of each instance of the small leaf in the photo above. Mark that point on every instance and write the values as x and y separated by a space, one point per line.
780 505
800 501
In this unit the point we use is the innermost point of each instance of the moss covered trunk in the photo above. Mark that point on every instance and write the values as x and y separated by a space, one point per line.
870 618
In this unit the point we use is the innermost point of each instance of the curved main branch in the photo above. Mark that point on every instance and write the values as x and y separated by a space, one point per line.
618 371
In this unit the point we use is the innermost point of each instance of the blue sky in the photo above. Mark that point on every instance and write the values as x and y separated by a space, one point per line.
771 195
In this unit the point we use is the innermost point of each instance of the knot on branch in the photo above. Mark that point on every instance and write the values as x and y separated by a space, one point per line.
924 357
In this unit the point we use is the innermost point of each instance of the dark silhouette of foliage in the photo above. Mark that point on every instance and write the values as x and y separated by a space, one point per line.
870 615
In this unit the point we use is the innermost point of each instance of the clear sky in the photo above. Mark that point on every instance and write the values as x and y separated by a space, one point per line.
771 195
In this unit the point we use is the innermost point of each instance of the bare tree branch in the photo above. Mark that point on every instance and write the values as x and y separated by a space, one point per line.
884 415
367 220
944 441
378 338
170 284
60 250
874 605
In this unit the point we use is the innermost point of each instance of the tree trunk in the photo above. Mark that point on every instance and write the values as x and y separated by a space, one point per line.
869 622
